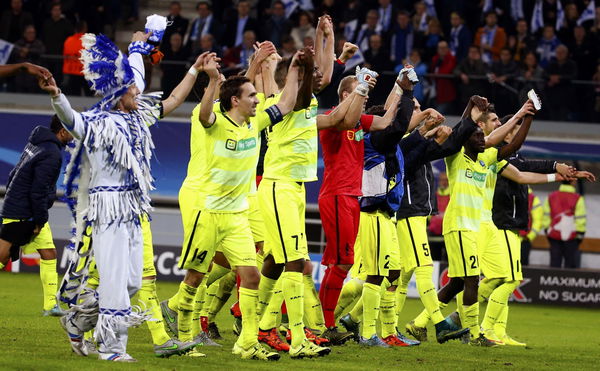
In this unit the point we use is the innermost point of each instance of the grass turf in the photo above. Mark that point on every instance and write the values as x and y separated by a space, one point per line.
558 338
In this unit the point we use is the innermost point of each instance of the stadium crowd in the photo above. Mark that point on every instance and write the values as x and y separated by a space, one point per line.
461 46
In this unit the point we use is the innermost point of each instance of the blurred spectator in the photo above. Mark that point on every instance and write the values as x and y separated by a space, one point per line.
565 224
491 38
350 13
95 14
420 19
179 25
55 31
288 47
522 41
402 38
546 47
571 16
304 29
377 57
467 71
532 76
173 72
204 24
414 59
504 71
331 7
534 226
14 21
205 44
237 58
277 26
584 53
134 11
460 37
370 27
386 12
27 49
238 23
432 37
435 223
559 91
443 63
74 83
596 101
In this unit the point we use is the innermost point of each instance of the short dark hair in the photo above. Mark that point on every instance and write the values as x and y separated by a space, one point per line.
281 72
55 124
378 110
200 85
232 87
205 2
486 115
505 119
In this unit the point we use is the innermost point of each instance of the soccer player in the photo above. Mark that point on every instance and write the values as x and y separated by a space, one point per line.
115 177
221 221
343 155
291 160
30 193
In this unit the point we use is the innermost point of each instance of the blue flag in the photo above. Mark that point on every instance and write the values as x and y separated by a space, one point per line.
537 19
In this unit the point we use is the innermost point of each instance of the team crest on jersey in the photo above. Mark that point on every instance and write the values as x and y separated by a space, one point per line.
242 145
355 135
481 163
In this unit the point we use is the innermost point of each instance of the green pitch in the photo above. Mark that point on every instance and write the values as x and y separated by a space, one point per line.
558 338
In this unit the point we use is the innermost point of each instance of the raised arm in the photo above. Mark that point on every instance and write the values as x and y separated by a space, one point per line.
137 49
288 96
401 86
70 119
525 177
207 116
387 138
182 90
327 58
519 138
304 95
264 50
498 135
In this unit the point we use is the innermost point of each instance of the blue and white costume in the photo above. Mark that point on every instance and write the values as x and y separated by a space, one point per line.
108 181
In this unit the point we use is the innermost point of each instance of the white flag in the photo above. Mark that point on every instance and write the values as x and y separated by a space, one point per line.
537 19
516 10
306 5
560 16
588 14
430 8
488 5
5 51
356 59
290 7
350 30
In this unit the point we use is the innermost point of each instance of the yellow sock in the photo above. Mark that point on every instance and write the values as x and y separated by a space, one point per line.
265 292
224 288
497 302
293 292
423 318
248 300
199 304
401 291
350 293
356 313
49 279
388 312
185 310
486 287
313 313
269 317
500 325
216 273
88 334
173 302
2 266
427 293
459 306
209 296
371 297
471 319
148 301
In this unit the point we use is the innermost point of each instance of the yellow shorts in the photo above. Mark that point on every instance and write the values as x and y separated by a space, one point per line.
228 233
379 251
461 247
255 218
283 205
511 243
40 242
188 204
357 270
493 256
414 245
